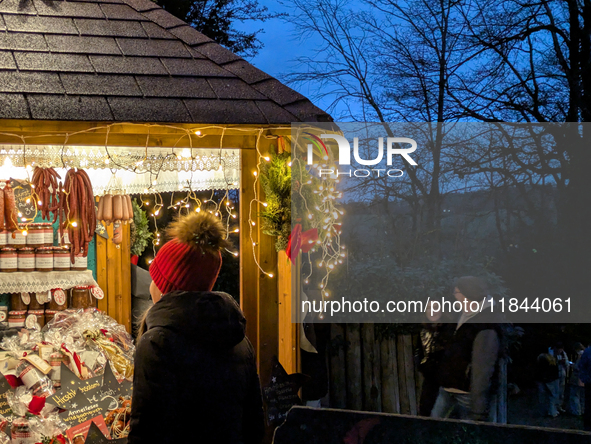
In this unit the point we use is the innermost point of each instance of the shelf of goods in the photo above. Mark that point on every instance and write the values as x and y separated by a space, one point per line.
38 281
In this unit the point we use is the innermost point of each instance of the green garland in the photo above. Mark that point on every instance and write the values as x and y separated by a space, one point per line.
276 183
276 180
140 230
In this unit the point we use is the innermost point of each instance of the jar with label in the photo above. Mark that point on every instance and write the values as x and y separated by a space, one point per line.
20 301
38 300
17 239
59 300
16 319
49 315
44 259
55 360
33 379
82 298
80 262
4 316
35 236
26 259
20 431
35 319
48 234
3 238
8 260
61 259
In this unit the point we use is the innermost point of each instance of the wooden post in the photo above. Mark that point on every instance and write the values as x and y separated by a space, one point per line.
409 365
371 370
402 386
338 377
249 297
287 329
353 365
390 390
258 291
113 276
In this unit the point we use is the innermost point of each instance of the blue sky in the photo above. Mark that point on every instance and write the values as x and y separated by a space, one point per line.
281 48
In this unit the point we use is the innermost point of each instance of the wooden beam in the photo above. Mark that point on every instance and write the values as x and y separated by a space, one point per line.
249 291
138 135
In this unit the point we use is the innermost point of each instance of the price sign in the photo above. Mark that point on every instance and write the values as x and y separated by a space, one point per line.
23 197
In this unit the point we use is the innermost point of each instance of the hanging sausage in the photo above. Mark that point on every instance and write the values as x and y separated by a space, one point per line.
116 209
77 209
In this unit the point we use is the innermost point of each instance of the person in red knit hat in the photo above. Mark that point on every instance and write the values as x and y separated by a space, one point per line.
195 377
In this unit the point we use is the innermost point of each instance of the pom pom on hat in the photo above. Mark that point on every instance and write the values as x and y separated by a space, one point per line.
191 260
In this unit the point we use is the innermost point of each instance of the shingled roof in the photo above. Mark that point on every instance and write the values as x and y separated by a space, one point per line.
130 60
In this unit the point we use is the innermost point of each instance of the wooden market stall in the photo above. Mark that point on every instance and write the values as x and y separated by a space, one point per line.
126 73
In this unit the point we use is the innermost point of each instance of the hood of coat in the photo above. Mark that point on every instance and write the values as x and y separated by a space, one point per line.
207 318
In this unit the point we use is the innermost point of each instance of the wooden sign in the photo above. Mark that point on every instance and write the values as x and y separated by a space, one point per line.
23 197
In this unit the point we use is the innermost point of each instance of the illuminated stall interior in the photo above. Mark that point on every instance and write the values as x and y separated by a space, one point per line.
144 102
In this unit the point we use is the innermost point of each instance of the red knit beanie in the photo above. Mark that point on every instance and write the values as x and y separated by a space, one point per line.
192 259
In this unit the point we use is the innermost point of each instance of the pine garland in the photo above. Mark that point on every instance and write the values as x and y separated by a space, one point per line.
276 183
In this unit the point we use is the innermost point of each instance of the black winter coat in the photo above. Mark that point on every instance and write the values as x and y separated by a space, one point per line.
195 378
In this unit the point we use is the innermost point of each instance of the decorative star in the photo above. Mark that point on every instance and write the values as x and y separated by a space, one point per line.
282 393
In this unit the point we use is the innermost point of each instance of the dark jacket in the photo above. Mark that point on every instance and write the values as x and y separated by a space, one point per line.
470 361
195 378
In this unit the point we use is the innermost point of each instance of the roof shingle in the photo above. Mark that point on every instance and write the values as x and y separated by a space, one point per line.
126 65
23 81
51 107
153 48
82 45
69 9
6 60
129 60
100 85
149 110
32 23
22 41
14 106
175 87
113 28
42 61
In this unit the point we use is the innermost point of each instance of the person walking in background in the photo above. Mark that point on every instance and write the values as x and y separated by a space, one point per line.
469 367
547 379
195 377
575 385
562 362
584 368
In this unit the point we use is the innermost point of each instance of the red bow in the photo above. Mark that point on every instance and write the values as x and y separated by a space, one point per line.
299 241
36 405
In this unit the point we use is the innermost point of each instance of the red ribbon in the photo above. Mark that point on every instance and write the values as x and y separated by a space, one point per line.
299 241
76 359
